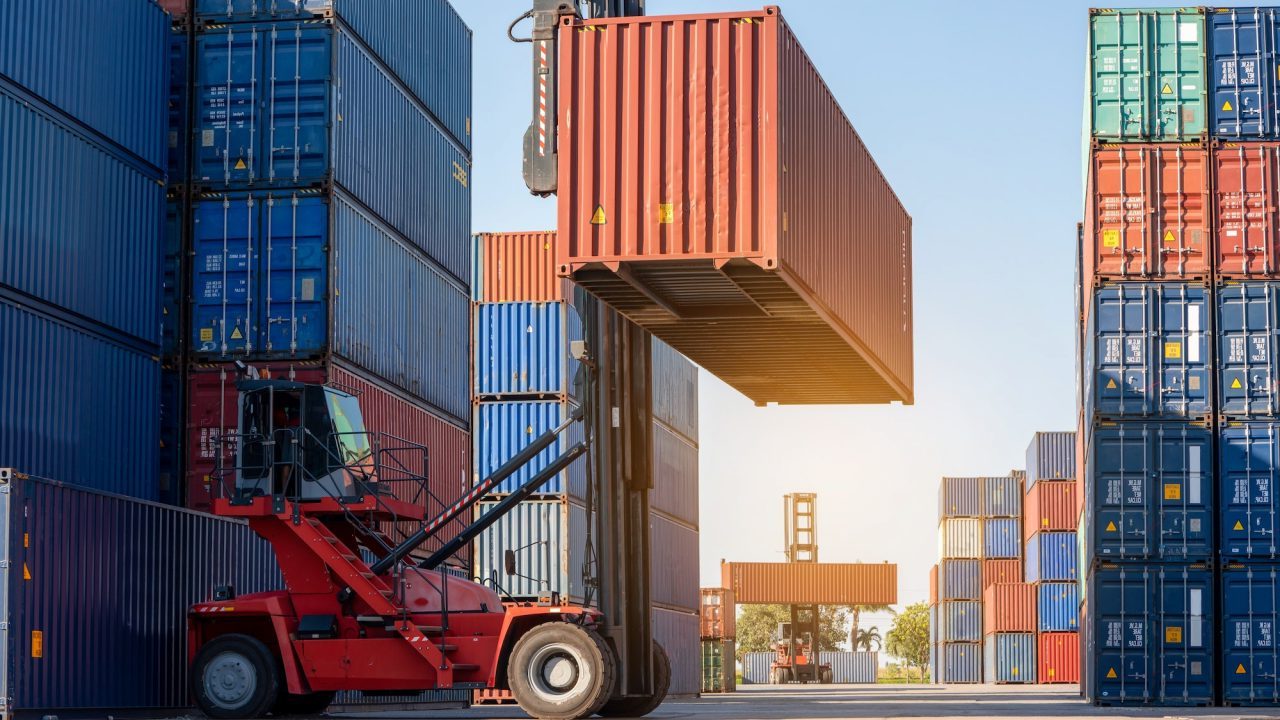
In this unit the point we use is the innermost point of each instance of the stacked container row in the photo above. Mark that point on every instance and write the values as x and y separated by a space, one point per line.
1052 561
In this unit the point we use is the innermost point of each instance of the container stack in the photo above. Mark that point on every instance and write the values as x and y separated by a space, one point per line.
1050 516
312 253
718 629
1008 604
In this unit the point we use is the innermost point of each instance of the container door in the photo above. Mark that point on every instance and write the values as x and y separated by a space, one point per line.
1179 241
1246 193
1182 321
1243 76
1120 468
1118 60
1247 321
298 62
225 276
1184 637
1121 337
1250 598
294 261
228 91
1123 624
1183 492
1249 460
1177 72
1147 74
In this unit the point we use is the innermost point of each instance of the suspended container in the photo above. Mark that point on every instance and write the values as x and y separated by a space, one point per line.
1151 491
960 538
523 349
1009 608
1242 72
1002 538
959 621
1248 464
1051 456
959 579
722 219
1058 655
677 633
959 663
1010 658
1146 74
1057 606
1248 318
303 103
960 497
503 429
811 583
1050 505
1051 556
1250 598
548 538
1002 496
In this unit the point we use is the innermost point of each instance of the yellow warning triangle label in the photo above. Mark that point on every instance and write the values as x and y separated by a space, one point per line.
1238 526
597 217
1226 106
1111 673
1111 527
1240 669
26 573
1235 384
1111 384
240 164
236 334
1169 238
1166 90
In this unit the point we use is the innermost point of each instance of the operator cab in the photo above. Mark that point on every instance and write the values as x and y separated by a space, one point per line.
302 441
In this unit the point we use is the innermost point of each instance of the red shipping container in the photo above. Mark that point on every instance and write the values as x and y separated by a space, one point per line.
712 190
1246 194
1050 505
179 9
719 614
212 405
1148 213
1009 607
933 585
1001 571
517 267
1059 657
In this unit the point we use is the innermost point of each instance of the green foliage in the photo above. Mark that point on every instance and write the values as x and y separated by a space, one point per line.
758 626
869 639
908 639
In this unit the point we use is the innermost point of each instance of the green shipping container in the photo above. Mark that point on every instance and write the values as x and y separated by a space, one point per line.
1147 74
718 670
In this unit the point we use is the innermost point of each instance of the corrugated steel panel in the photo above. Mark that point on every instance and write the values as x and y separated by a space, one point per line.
1250 602
675 476
1002 538
94 253
1152 634
1058 607
1051 456
675 187
171 423
1244 199
1009 607
522 348
516 267
959 579
1051 556
1059 657
675 390
1248 316
677 633
673 564
851 668
1242 61
1002 496
959 621
77 405
1248 463
1050 505
755 667
812 583
300 274
1001 571
719 614
933 584
270 114
58 55
960 497
425 44
103 578
1152 491
960 538
503 429
1149 353
1146 74
174 289
960 663
548 538
178 145
1009 658
717 671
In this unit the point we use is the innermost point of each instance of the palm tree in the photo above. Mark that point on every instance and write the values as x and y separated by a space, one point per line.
856 612
869 637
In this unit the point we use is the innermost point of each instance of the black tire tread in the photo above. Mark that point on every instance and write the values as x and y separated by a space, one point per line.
635 707
268 672
602 654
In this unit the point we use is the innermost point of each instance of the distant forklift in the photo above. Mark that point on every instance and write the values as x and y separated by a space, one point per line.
797 641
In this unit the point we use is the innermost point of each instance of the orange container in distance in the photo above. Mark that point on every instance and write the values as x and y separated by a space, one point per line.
718 614
811 583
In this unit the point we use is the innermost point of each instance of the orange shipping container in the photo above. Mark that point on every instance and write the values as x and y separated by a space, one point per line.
516 267
1246 196
712 190
1001 571
1050 505
718 614
1148 215
1059 657
933 585
812 583
1009 607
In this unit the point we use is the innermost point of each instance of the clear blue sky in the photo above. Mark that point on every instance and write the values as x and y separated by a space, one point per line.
973 111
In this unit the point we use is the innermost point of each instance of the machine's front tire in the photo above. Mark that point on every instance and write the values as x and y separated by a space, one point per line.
310 704
560 671
634 707
235 677
784 676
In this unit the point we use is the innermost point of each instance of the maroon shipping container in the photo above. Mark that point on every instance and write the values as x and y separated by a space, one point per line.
1059 657
212 405
1050 505
1246 194
1001 571
712 190
1009 607
1148 213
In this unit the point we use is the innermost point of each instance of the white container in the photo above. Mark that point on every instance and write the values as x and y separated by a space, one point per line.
960 538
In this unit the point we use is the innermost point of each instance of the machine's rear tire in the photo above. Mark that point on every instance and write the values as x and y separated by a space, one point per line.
560 671
634 707
784 676
309 704
235 677
824 676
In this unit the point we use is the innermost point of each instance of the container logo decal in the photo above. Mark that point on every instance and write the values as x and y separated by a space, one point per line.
240 164
1169 238
26 572
460 174
1111 238
37 644
1172 491
598 217
1173 635
1172 350
236 334
666 213
1111 384
1240 669
1226 106
206 334
1111 526
1235 384
1166 90
1238 526
1111 673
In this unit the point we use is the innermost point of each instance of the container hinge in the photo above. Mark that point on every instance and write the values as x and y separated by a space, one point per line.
4 627
4 564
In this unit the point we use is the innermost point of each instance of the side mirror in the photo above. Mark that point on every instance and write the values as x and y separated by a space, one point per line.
509 561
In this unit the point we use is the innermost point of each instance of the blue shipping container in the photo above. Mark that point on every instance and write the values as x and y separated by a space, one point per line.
1002 496
675 475
270 113
139 566
179 106
522 348
173 285
503 429
1149 353
1058 607
81 226
1243 74
102 67
1151 630
675 390
960 497
1248 464
1051 556
1002 538
1248 314
301 274
1151 491
959 621
424 43
960 663
959 579
1051 456
78 406
1250 616
1009 658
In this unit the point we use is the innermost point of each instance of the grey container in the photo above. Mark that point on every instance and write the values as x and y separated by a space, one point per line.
755 667
1051 456
673 569
675 390
851 668
1002 496
675 475
960 663
959 621
960 497
677 632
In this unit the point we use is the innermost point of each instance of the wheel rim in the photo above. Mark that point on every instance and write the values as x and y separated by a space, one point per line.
558 672
230 680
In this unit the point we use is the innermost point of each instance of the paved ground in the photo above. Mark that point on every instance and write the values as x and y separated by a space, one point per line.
762 702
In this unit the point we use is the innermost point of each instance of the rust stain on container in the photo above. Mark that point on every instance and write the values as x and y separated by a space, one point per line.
517 267
1009 607
718 614
812 583
712 190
